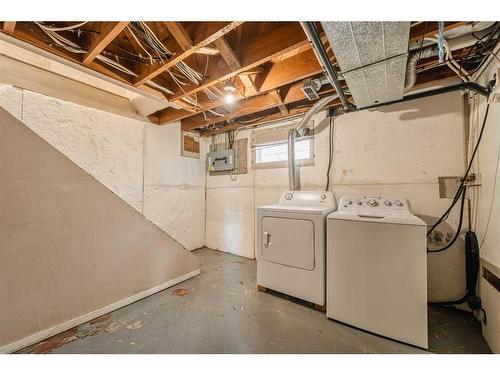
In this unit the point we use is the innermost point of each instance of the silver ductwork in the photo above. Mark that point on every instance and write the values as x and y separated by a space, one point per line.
299 131
372 57
411 65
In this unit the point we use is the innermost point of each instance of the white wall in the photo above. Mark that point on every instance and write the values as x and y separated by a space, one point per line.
174 186
139 162
398 150
488 209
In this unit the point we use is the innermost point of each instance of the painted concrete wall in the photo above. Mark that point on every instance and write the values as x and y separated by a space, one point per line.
69 247
139 162
399 150
174 186
488 209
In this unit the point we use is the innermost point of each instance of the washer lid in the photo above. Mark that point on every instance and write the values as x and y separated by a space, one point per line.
303 209
377 217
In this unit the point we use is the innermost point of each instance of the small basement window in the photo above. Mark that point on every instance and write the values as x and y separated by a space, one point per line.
270 149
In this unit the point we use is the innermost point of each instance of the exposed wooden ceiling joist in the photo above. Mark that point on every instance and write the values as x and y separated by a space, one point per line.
149 72
266 61
234 63
271 99
264 118
252 52
24 34
9 26
293 69
109 31
180 35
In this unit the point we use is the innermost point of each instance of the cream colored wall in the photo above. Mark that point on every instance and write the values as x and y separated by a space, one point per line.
174 186
70 249
139 162
398 150
488 209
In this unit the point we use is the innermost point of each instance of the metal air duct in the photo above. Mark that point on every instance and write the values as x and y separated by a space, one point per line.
372 57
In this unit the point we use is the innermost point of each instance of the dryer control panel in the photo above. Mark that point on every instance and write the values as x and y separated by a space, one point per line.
373 203
308 198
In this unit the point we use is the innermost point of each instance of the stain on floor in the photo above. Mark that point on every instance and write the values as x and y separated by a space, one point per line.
221 311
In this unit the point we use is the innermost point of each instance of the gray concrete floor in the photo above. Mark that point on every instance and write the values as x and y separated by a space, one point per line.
221 311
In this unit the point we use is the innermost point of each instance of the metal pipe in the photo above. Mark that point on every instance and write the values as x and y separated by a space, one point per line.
313 36
472 86
292 168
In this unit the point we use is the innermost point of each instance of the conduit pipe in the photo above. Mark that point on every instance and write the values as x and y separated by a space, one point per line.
320 52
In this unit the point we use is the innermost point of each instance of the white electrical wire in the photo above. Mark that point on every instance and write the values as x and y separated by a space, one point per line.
159 87
153 41
216 113
140 45
50 28
116 65
450 61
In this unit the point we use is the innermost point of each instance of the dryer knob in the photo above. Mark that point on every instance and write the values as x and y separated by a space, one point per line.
359 203
289 196
372 203
348 202
388 203
323 197
398 203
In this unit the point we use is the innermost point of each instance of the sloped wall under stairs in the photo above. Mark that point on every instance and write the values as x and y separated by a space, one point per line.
70 249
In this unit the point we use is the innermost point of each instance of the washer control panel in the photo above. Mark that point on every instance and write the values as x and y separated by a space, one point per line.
308 198
374 203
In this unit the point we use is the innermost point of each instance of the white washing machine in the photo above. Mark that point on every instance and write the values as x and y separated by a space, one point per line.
291 244
377 268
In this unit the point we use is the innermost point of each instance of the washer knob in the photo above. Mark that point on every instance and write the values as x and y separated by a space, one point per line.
372 203
359 203
388 203
289 196
348 202
398 203
323 197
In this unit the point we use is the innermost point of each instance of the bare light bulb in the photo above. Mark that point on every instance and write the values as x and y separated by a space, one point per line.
229 98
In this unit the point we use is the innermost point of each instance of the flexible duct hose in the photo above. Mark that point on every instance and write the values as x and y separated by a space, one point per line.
300 131
292 177
411 66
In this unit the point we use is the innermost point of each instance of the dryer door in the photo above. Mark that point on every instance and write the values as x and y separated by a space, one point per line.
288 241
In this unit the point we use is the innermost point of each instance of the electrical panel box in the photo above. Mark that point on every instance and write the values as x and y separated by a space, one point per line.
222 160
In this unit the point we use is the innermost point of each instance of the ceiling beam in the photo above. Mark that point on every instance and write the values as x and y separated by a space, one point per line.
9 26
252 52
234 63
108 32
293 69
133 42
279 101
25 34
271 116
180 35
255 104
227 54
149 72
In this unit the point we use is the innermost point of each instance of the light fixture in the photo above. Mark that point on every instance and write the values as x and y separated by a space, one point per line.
229 91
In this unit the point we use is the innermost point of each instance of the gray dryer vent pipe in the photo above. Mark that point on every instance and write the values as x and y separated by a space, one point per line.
411 66
299 131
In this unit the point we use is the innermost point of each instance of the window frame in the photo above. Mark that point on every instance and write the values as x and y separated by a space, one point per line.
283 163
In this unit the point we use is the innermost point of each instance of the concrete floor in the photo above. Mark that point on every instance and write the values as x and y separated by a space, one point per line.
221 311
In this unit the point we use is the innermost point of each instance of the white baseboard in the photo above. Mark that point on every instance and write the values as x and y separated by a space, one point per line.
42 335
